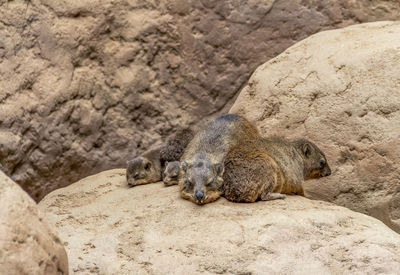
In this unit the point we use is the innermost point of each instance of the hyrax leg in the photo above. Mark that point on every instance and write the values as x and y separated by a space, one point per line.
266 196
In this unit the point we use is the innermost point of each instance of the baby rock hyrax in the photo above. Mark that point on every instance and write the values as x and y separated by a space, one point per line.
148 167
171 173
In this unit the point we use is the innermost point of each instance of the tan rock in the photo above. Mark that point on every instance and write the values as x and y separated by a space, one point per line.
110 229
340 89
100 81
28 244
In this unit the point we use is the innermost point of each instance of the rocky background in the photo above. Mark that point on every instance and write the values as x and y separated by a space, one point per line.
28 243
86 85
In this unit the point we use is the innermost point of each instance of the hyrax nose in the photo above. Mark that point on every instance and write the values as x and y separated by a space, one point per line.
327 172
131 183
199 195
136 176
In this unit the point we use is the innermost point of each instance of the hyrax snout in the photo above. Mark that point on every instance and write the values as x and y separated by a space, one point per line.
202 181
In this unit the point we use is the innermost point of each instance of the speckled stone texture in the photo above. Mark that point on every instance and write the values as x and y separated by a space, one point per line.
149 229
87 85
28 244
340 89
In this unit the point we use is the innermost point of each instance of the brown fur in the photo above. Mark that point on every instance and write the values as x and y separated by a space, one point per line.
174 146
156 158
202 164
171 173
266 168
145 168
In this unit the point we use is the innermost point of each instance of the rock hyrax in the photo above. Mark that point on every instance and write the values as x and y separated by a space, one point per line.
145 168
266 168
171 173
148 167
202 164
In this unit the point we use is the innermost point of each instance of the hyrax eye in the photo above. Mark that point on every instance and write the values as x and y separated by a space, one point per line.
188 183
147 166
322 163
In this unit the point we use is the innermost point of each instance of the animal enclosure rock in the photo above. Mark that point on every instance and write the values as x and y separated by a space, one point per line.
87 85
340 89
110 229
28 244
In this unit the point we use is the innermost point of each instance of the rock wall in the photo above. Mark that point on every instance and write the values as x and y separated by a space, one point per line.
340 89
109 228
86 85
28 244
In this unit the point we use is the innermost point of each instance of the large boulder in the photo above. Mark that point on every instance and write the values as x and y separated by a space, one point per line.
110 229
86 85
28 244
340 89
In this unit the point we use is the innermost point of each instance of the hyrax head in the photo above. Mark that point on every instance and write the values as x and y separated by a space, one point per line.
202 181
171 173
315 164
141 170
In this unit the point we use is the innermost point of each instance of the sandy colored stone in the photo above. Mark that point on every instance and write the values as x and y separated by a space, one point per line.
149 229
28 244
340 89
87 85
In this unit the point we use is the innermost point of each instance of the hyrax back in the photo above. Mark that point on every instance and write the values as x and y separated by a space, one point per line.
202 164
174 146
250 174
267 167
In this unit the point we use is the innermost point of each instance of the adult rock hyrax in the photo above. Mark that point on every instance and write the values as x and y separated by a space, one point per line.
202 164
266 168
148 167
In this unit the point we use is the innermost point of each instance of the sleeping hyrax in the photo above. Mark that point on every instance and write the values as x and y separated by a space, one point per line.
171 173
148 167
266 168
202 164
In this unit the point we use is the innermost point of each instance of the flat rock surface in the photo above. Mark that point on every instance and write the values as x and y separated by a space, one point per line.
28 244
340 89
110 229
87 85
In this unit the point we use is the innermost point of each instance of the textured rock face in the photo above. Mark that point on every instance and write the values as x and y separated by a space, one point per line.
149 229
28 245
86 85
340 89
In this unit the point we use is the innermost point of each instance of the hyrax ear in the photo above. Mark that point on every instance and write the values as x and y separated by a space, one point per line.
219 168
307 150
184 166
